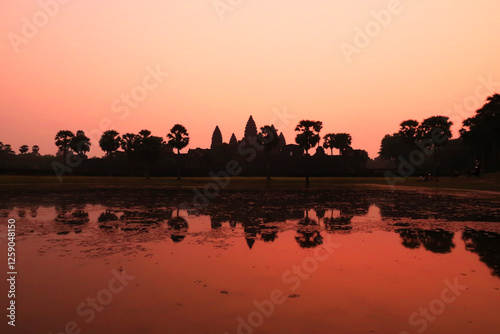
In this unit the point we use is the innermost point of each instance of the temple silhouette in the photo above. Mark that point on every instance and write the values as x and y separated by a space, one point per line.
286 159
250 134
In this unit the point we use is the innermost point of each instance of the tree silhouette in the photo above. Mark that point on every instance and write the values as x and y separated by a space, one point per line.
178 138
129 143
8 149
24 149
268 137
149 150
308 134
342 141
144 133
435 131
328 141
63 140
410 130
308 137
433 126
392 146
482 131
35 149
80 144
110 142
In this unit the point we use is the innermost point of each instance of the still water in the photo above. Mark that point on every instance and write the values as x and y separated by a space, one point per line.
342 261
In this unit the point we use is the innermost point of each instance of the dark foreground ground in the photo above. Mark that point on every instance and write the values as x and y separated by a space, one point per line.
489 182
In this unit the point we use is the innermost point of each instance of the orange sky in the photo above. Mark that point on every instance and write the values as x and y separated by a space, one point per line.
253 58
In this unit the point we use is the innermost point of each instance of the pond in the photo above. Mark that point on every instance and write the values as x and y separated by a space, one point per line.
339 261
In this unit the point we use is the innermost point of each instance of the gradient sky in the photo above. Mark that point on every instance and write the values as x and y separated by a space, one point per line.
263 56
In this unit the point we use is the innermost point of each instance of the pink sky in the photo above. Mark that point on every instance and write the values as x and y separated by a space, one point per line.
262 56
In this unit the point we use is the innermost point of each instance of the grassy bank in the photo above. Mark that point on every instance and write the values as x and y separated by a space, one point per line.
489 182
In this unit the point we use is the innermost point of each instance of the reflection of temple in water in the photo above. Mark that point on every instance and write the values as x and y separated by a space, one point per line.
262 218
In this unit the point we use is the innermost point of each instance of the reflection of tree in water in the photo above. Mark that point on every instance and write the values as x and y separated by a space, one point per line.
5 208
410 238
22 212
141 219
178 227
308 232
217 219
34 211
268 233
437 241
486 245
70 218
107 216
341 224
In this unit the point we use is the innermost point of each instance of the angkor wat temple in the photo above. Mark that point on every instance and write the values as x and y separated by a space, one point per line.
285 159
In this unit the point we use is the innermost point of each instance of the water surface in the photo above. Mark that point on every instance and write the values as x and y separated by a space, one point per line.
343 261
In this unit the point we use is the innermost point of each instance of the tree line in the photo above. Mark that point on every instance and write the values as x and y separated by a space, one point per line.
479 136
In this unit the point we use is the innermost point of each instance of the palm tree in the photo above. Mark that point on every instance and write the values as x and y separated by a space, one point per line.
129 143
24 149
409 129
342 141
178 138
35 150
308 134
63 140
80 144
268 137
110 142
308 137
328 140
